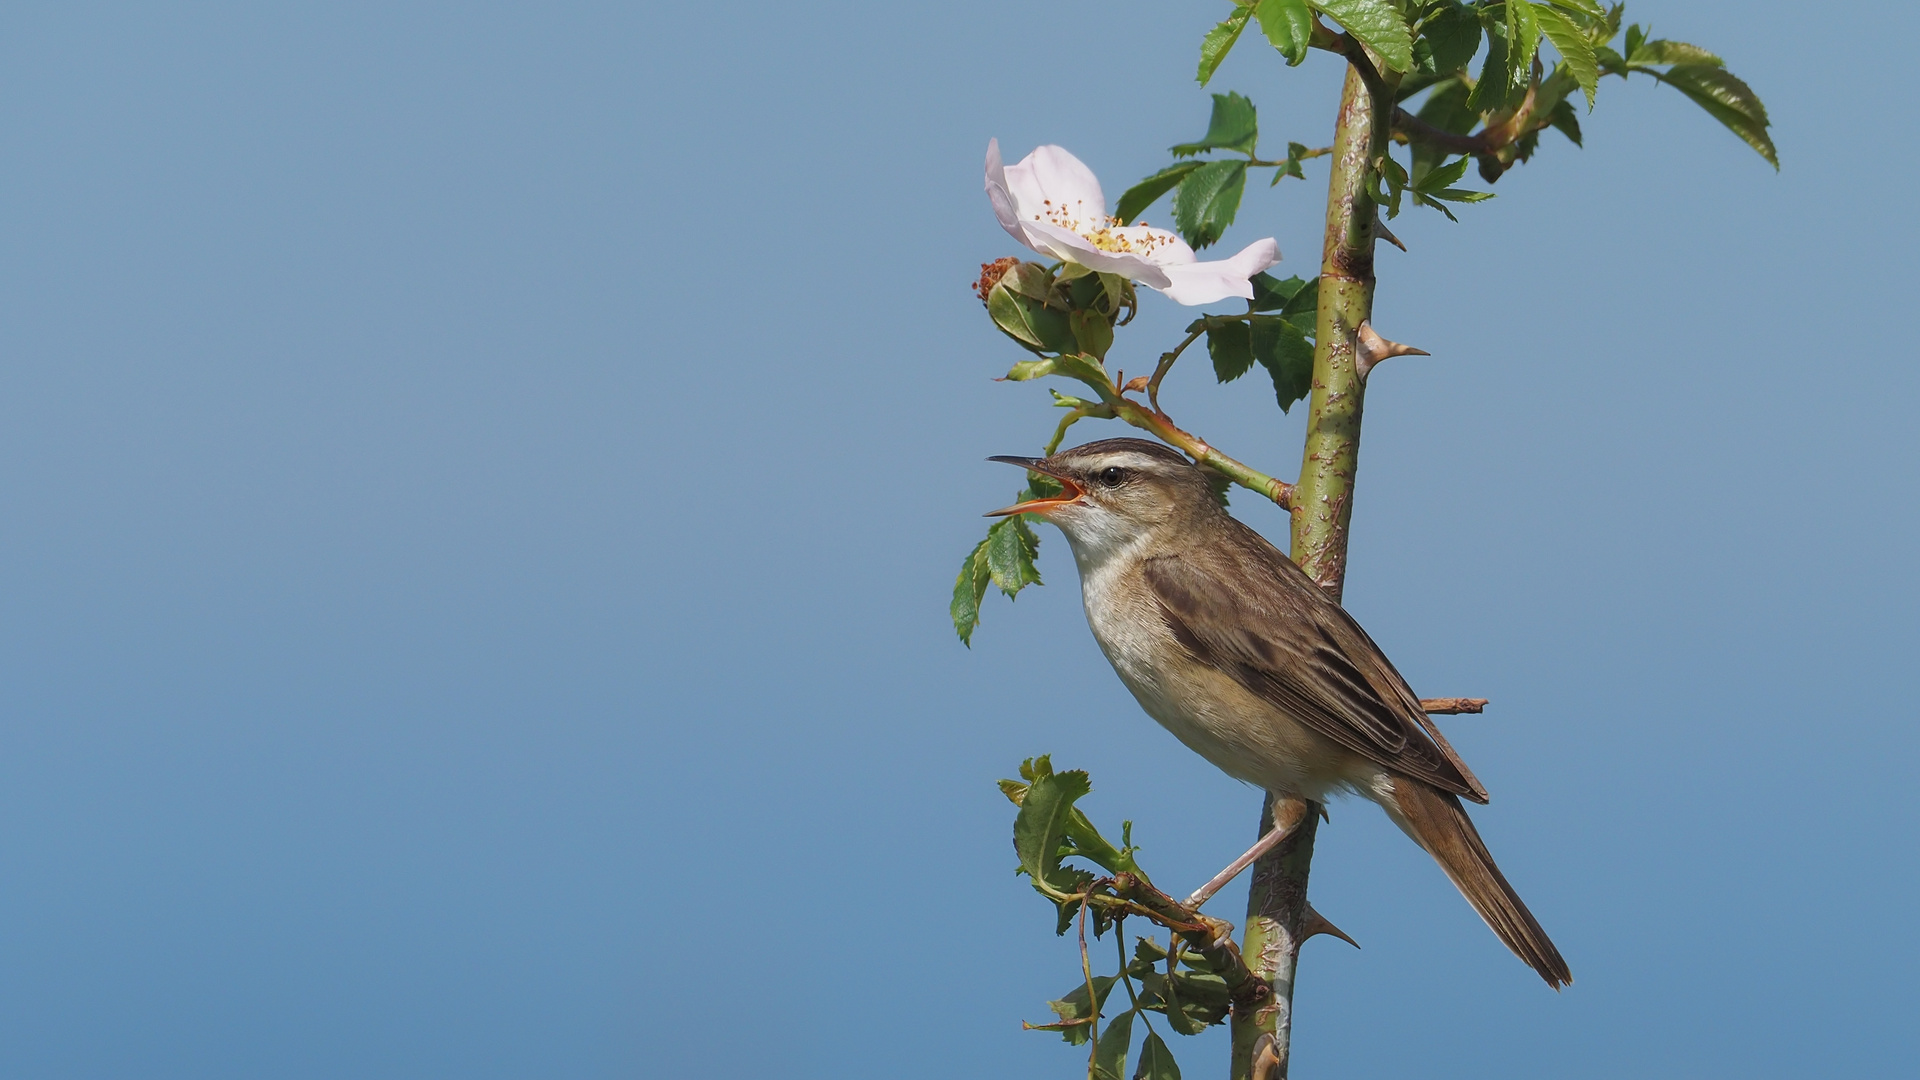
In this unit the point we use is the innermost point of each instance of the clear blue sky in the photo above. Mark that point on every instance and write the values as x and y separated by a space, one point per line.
482 485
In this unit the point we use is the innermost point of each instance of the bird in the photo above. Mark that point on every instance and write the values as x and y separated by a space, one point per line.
1243 658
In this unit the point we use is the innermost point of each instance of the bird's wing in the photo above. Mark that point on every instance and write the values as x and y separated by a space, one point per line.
1273 630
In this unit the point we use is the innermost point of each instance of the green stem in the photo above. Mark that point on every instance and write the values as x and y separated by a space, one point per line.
1322 507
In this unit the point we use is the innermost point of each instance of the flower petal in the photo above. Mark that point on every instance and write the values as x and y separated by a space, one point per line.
1053 185
1004 206
1161 247
1205 282
1070 246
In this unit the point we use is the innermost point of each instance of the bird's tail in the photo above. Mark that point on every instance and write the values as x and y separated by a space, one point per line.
1436 821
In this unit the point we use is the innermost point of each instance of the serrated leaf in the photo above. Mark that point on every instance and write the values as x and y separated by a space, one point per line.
1565 121
1028 321
1011 549
1523 42
968 590
1075 1007
1445 108
1145 193
1727 100
1271 293
1285 351
1219 41
1288 26
1231 348
1571 43
1635 38
1014 790
1452 33
1377 24
1586 8
1156 1061
1443 176
1491 90
1303 310
1661 51
1207 200
1040 826
1110 1057
1233 125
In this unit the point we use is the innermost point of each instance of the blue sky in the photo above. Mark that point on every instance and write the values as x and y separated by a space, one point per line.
483 484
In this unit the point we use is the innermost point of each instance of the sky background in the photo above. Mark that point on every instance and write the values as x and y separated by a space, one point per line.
482 485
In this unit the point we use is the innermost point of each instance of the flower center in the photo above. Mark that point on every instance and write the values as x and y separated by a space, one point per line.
1099 229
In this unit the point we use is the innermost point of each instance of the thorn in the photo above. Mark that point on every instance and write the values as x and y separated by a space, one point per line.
1380 230
1372 348
1317 923
1266 1060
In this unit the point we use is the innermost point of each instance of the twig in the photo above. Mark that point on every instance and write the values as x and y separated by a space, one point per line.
1452 706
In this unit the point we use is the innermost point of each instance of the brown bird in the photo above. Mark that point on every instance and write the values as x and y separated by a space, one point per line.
1232 648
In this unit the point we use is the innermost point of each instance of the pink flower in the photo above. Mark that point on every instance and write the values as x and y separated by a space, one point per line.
1052 203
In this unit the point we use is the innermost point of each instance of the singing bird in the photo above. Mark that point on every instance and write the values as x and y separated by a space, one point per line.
1232 648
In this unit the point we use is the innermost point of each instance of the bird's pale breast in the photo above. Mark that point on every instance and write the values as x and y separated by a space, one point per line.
1240 733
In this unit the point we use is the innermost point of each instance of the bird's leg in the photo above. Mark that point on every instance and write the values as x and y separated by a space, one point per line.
1297 811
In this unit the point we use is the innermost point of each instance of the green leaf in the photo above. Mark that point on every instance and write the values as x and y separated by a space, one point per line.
1523 41
1232 350
1040 826
1288 25
1030 322
1507 70
1727 100
1156 1061
1377 24
968 590
1446 108
1075 1007
1303 310
1571 43
1635 37
1093 331
1453 34
1271 293
1014 790
1207 200
1148 957
1586 8
1234 125
1460 195
1491 89
1148 191
1284 350
1110 1057
1039 486
1565 121
1444 176
1296 153
1011 549
1661 51
1219 41
1029 279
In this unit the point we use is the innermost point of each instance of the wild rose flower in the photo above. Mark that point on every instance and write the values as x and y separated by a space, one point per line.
1051 202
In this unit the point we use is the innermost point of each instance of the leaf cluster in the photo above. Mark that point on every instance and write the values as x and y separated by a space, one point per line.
1281 342
1185 987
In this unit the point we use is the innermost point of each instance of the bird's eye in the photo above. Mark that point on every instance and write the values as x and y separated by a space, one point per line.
1113 476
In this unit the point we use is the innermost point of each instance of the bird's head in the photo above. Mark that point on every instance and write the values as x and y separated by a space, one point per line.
1115 490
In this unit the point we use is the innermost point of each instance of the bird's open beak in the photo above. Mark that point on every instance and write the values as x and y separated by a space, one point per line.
1070 492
